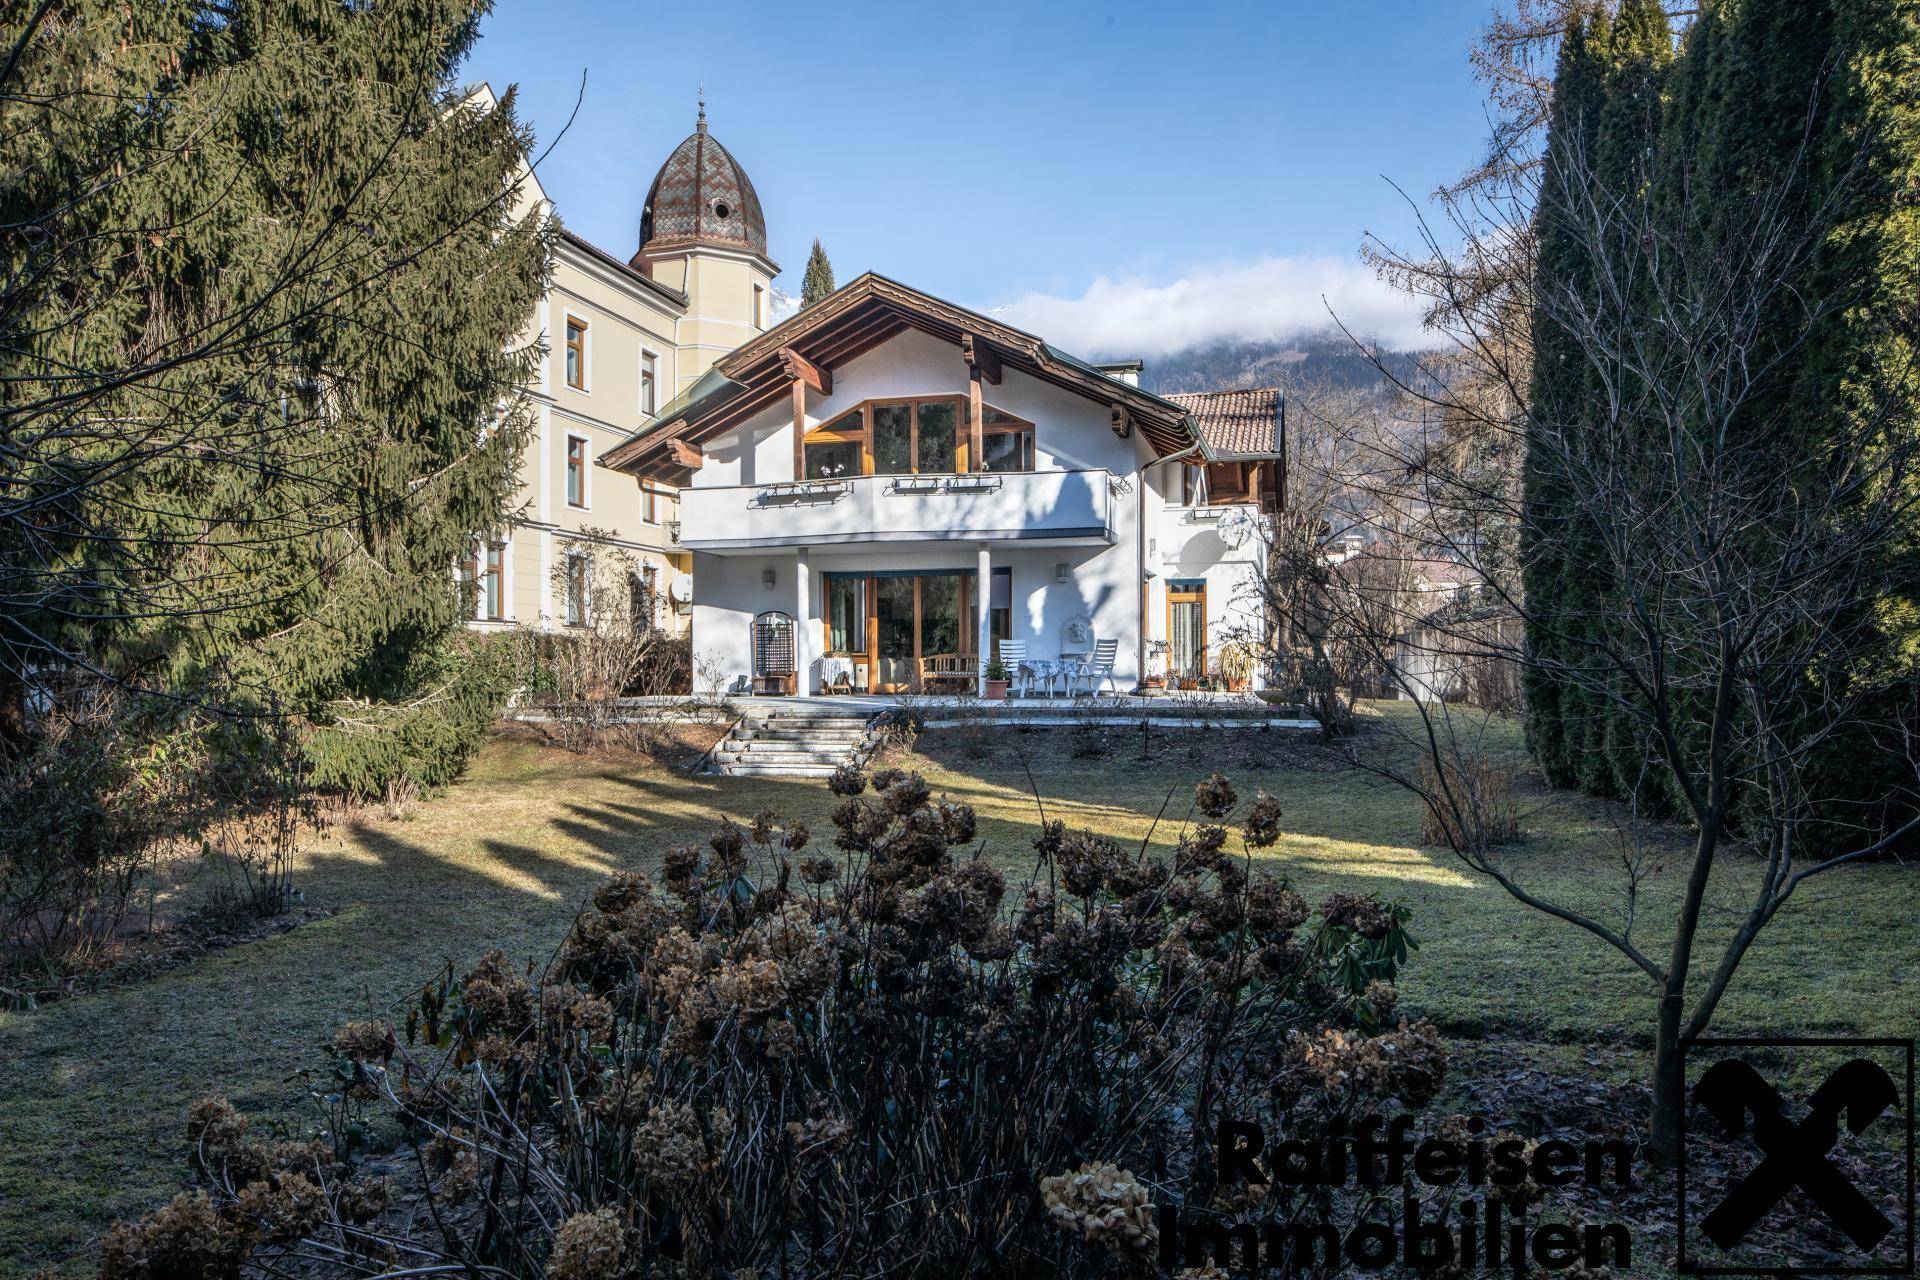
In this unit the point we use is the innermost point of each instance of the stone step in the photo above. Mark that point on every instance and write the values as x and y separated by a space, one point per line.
796 756
788 733
837 745
777 770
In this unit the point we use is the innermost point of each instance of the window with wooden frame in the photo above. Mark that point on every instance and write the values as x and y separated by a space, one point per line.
1006 442
649 382
846 615
924 435
577 460
837 449
1229 482
493 595
576 353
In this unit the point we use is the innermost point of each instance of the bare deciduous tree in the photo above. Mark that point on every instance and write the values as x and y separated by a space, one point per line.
1732 635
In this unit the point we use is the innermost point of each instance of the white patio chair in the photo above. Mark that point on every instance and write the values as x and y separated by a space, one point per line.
1097 670
1013 656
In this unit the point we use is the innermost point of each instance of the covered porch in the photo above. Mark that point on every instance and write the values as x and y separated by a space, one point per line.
849 622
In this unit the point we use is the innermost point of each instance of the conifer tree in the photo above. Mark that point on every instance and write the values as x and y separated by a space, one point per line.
266 286
818 282
1559 395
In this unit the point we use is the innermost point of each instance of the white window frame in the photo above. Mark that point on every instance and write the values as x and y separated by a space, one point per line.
586 590
645 491
649 364
567 318
586 471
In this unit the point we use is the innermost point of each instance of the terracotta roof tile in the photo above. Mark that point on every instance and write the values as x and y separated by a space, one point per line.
1246 421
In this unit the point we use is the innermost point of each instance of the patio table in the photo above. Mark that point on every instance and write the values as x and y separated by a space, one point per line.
1048 670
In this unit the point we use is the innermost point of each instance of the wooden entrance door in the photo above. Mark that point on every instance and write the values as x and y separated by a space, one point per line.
1186 631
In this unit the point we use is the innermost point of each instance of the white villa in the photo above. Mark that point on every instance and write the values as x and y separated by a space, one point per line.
886 485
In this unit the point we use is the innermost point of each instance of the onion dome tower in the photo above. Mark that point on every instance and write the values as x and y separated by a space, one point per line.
702 232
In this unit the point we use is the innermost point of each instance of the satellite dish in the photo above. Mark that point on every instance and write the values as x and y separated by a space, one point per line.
680 590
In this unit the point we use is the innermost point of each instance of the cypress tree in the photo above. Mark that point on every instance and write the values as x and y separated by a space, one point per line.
1617 742
1549 550
818 282
1861 373
263 378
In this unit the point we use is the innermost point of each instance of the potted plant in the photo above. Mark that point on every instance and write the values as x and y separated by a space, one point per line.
1156 676
1236 665
996 681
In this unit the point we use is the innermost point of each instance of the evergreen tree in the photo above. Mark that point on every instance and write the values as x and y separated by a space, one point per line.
1617 748
1812 111
818 282
1559 395
268 280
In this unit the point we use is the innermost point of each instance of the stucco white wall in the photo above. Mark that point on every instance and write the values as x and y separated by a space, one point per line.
1070 432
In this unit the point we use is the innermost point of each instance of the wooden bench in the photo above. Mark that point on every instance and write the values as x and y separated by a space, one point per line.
948 669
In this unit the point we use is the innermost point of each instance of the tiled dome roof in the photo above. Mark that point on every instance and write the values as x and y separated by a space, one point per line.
702 195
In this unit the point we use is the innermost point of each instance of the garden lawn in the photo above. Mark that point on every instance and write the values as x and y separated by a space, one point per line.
93 1090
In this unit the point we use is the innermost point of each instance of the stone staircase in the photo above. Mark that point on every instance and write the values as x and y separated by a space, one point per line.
791 744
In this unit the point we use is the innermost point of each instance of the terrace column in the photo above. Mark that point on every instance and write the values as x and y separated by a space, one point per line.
802 628
983 589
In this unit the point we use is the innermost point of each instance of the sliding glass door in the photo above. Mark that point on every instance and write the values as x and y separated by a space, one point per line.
913 617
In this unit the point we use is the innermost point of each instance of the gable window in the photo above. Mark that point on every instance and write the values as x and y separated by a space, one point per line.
891 438
577 588
577 471
576 353
836 449
1006 442
649 382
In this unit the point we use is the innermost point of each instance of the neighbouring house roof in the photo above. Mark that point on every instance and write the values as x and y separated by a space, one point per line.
625 269
854 319
1247 423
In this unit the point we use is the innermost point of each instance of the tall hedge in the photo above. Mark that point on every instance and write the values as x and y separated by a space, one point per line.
1827 91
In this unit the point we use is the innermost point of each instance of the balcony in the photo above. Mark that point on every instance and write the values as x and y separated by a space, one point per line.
1192 538
1047 508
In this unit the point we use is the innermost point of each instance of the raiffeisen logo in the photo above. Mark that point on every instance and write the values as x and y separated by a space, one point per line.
1378 1154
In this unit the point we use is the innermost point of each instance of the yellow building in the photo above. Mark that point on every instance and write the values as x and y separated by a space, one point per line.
621 340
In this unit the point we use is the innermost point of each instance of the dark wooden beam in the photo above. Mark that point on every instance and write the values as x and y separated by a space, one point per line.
685 454
1122 421
801 369
980 358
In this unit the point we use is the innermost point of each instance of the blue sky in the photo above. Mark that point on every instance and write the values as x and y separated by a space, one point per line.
1120 177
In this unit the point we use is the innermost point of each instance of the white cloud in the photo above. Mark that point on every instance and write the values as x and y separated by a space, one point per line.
1267 300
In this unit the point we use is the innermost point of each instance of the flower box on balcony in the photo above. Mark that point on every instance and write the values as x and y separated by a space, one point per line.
974 483
916 484
803 490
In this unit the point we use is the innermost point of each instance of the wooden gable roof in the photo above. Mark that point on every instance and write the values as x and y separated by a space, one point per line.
865 313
